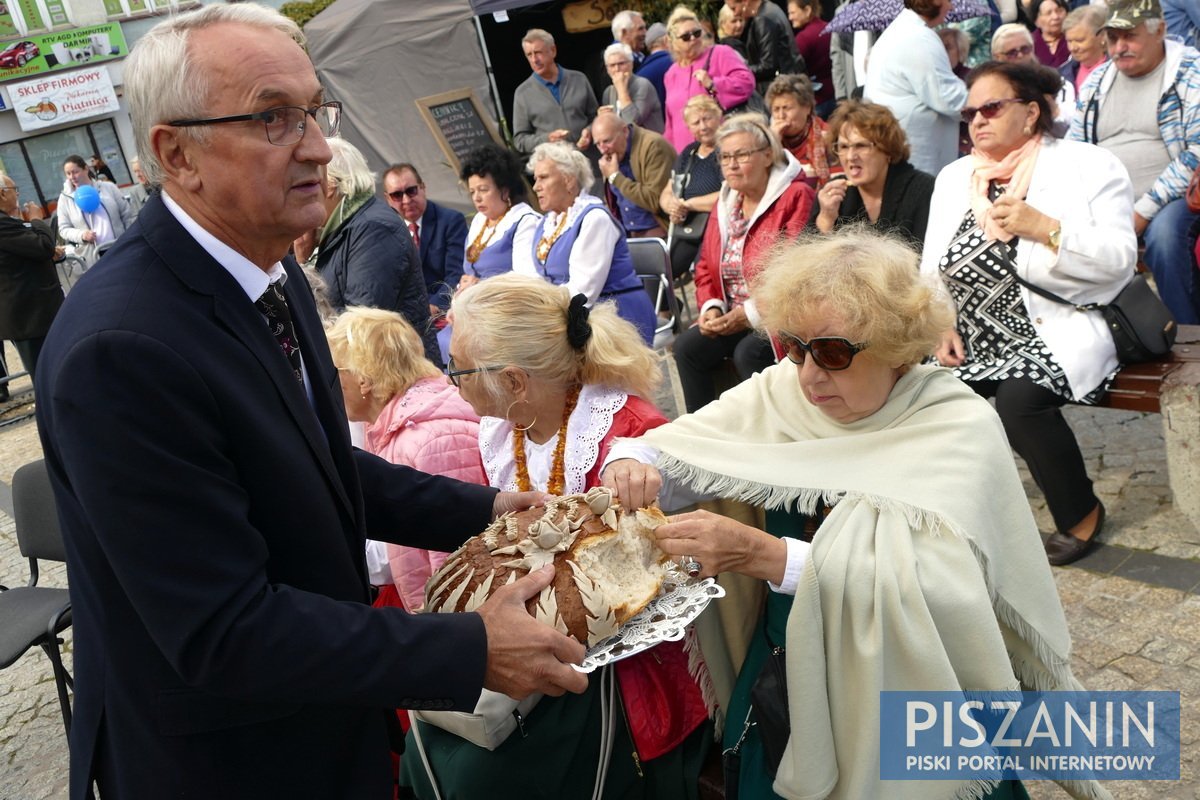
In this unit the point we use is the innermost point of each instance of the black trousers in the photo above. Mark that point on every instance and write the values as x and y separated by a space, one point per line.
697 356
1033 420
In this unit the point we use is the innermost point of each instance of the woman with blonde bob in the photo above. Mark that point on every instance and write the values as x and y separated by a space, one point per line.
554 385
413 416
898 546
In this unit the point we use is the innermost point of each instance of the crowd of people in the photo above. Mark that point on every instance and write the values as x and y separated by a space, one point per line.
868 247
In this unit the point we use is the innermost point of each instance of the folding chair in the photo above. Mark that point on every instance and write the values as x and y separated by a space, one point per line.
31 614
652 263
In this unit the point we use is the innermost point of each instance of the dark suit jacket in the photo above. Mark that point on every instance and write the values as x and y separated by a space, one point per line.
443 247
30 293
214 522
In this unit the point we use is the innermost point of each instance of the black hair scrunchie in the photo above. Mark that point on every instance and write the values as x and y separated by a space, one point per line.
578 328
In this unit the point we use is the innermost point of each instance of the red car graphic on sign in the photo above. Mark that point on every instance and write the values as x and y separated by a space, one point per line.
18 54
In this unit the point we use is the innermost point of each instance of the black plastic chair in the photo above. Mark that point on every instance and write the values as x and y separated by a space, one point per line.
31 614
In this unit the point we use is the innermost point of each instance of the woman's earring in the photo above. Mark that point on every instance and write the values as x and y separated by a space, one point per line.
508 416
1027 130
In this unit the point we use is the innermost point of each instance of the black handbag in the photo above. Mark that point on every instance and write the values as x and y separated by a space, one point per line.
769 713
691 229
1141 326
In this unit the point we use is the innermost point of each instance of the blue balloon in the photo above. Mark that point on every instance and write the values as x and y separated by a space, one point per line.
87 198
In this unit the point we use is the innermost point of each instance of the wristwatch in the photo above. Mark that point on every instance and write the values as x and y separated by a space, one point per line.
612 178
1055 237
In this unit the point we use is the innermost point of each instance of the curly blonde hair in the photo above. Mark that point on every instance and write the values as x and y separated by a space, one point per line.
520 320
380 346
868 279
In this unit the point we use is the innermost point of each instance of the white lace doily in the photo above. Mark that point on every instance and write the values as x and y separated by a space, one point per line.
664 620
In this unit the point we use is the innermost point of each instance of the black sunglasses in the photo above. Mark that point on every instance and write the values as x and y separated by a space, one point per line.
832 353
410 192
989 110
453 374
687 37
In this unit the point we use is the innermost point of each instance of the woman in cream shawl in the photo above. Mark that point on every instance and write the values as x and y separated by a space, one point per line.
926 574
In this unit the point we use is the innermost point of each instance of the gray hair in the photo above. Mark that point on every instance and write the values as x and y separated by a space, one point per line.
1093 16
162 81
961 39
537 35
573 164
1007 30
1153 25
348 169
623 21
753 124
623 49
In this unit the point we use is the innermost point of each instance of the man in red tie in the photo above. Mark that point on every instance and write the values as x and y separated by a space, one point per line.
439 233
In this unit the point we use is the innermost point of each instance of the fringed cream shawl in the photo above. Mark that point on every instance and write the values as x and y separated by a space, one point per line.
928 574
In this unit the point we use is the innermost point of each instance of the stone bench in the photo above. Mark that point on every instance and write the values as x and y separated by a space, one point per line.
1171 387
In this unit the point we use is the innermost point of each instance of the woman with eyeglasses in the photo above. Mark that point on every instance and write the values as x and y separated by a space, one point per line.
802 133
881 187
700 68
554 384
897 550
1025 213
763 198
102 223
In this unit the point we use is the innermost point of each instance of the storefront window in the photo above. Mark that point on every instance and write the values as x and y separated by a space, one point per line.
36 163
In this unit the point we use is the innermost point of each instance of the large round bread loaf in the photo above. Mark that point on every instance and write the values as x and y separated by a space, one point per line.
607 564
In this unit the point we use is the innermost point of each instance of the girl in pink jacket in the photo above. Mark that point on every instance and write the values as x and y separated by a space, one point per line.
413 416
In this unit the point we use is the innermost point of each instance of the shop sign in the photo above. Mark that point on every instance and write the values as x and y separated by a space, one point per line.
58 99
51 52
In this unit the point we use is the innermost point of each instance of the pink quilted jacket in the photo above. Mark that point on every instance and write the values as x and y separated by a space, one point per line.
434 430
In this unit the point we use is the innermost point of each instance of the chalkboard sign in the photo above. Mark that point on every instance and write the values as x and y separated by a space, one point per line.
458 123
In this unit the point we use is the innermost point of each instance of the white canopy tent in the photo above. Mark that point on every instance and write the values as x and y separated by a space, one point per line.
378 57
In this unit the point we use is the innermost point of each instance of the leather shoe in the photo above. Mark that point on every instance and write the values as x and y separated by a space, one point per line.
1062 548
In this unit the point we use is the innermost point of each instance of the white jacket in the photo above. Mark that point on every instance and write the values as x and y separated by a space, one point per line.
71 223
910 74
1088 190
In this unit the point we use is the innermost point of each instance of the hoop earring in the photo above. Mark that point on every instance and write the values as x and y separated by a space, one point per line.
508 412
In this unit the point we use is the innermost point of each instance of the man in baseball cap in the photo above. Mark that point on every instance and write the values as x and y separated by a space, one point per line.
1142 105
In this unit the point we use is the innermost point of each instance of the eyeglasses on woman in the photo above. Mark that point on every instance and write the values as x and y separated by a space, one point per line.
831 353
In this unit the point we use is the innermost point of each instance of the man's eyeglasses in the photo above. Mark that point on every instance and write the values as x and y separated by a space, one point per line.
409 192
693 34
453 374
1017 52
989 110
739 157
844 149
285 124
832 353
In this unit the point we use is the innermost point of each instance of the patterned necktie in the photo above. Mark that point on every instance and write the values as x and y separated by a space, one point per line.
412 228
274 307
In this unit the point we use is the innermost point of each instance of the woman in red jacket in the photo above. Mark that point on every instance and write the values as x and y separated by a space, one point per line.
764 197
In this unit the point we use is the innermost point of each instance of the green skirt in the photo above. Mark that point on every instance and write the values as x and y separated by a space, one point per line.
755 780
556 760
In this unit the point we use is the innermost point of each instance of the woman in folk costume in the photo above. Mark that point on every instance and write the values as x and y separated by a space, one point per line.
554 385
928 578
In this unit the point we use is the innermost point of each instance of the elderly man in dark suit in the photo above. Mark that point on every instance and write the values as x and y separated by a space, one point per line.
30 293
439 233
213 510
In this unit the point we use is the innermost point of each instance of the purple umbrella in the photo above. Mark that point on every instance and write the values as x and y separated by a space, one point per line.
875 15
